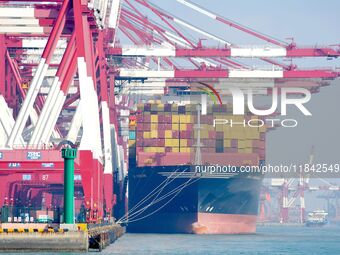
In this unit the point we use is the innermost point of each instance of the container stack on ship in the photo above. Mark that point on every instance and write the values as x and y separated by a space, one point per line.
166 189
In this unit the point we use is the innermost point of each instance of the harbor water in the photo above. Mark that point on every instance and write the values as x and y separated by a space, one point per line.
274 240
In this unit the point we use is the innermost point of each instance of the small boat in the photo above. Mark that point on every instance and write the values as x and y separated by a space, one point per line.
317 218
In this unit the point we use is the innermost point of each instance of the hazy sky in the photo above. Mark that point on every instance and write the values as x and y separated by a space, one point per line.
310 22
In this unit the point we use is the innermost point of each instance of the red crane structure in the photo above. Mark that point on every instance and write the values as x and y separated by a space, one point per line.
63 72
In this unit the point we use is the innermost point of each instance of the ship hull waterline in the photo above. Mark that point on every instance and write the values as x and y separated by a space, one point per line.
168 199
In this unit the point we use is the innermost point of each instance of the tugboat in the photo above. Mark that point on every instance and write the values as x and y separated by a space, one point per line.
317 218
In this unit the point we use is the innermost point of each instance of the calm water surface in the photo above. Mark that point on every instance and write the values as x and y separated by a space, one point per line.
267 241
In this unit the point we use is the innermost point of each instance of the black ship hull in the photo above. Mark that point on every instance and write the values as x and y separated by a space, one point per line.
172 199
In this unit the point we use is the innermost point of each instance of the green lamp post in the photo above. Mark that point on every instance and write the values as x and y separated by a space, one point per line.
69 154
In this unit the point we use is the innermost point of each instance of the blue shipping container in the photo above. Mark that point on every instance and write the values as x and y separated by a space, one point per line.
132 135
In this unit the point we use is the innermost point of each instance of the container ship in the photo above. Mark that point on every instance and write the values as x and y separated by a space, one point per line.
170 191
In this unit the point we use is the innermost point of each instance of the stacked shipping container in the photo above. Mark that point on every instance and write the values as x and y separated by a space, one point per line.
165 129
